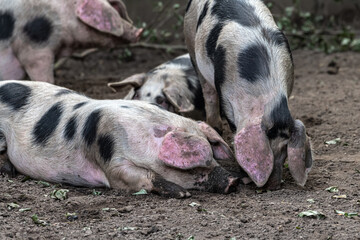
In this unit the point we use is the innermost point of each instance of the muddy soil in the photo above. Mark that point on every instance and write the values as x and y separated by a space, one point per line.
326 98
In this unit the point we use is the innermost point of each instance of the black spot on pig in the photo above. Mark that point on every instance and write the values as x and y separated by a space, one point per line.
63 92
212 40
39 29
148 95
254 63
91 126
106 147
70 128
47 125
202 15
79 105
188 6
7 23
235 10
195 88
281 118
181 61
15 95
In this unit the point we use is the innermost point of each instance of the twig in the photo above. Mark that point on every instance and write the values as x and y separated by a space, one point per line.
158 46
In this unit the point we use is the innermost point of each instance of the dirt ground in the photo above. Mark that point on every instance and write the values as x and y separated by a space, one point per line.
326 99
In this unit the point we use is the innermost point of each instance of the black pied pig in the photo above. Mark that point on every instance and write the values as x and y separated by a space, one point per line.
245 66
34 32
173 85
57 135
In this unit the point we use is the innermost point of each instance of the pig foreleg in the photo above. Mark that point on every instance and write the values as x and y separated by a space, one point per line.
38 64
127 175
168 189
212 107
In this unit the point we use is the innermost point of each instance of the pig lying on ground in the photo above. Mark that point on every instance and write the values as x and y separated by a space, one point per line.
57 135
34 32
244 62
173 85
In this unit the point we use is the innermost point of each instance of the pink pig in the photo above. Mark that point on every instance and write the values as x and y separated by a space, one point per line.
33 33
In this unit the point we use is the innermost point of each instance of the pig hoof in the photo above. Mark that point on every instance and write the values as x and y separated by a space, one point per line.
168 189
8 169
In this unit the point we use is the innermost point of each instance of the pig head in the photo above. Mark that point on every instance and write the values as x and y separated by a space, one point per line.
34 33
264 143
173 85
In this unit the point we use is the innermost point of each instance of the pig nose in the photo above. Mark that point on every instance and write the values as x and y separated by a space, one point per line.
159 100
232 186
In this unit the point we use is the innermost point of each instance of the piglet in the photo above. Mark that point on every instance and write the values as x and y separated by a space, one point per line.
246 68
33 33
54 134
173 85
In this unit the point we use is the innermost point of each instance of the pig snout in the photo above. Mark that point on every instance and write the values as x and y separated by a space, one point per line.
131 33
221 181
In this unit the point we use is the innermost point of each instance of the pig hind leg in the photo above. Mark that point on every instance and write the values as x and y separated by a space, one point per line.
127 175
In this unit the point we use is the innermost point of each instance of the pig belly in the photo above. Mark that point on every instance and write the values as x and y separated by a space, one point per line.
72 169
10 67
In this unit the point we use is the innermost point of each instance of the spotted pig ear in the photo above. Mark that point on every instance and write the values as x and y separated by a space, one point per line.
134 81
101 16
254 154
177 96
121 8
299 154
185 151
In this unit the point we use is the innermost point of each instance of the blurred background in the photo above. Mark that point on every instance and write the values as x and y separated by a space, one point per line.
324 25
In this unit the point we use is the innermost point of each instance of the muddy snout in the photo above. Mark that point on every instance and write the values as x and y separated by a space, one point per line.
221 181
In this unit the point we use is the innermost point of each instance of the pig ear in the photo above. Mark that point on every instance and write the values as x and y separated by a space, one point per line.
220 149
101 16
299 154
177 97
185 151
121 8
135 81
254 154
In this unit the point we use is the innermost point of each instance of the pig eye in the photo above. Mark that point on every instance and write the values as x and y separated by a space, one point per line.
137 95
272 133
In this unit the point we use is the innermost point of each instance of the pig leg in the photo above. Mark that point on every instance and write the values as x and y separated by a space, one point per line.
168 189
127 175
8 168
38 64
10 67
212 107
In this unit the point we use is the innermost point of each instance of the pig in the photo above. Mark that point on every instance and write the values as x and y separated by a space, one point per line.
246 71
57 135
173 85
33 33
